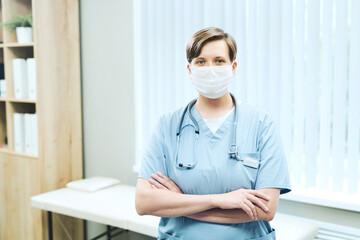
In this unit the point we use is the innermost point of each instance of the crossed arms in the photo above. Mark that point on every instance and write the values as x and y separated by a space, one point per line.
160 196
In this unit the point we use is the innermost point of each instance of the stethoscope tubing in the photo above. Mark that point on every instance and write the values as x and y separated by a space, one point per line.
233 151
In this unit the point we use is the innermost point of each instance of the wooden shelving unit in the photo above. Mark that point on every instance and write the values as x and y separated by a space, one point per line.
19 45
56 50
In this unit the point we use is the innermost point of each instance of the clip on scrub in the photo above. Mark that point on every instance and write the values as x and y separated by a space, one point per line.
233 152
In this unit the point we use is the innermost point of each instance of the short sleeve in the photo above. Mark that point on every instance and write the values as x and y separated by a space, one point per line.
273 169
153 160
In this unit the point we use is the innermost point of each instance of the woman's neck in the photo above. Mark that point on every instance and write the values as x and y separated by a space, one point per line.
214 108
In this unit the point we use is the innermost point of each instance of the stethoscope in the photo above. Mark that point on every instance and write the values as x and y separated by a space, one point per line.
233 151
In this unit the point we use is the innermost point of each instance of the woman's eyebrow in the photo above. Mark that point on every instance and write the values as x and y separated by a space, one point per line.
205 58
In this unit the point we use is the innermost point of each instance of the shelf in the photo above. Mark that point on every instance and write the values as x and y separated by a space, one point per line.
19 100
59 142
17 45
21 154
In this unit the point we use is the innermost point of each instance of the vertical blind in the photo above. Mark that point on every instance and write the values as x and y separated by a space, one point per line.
299 59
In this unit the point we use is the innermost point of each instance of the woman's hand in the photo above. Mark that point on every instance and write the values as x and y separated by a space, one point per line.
243 199
163 182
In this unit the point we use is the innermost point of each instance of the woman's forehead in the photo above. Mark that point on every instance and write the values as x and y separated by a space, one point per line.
216 48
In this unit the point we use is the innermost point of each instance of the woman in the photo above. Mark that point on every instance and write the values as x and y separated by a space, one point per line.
214 169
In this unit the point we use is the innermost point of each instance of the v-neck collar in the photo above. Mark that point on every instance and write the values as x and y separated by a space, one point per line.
221 132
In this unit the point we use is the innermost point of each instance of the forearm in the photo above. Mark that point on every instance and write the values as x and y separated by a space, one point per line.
217 215
153 198
165 203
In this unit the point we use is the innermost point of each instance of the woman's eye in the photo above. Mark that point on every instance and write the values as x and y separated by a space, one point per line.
220 61
200 62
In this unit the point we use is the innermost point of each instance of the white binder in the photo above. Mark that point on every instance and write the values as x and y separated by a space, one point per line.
2 88
31 76
34 135
20 78
19 134
28 132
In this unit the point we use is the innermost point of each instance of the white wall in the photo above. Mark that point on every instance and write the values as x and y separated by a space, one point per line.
108 103
107 92
107 88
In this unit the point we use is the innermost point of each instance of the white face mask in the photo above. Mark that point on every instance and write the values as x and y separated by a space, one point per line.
212 82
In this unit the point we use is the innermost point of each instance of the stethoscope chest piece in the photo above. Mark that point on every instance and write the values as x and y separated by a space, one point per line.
189 166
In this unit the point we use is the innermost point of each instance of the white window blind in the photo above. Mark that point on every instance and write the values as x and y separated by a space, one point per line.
300 59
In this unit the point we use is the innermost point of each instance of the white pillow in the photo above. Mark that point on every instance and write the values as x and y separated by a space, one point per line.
92 184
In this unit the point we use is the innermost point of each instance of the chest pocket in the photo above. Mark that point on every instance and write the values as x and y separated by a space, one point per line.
244 171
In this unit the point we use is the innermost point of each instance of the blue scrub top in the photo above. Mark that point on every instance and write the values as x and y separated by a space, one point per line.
215 172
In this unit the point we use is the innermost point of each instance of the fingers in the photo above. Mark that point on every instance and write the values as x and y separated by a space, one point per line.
252 198
164 176
168 180
252 208
156 184
247 209
161 180
257 202
259 194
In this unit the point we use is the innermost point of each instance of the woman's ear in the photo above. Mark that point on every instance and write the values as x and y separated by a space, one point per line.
189 69
234 65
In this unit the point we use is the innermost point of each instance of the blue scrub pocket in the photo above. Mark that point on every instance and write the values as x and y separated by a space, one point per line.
270 236
165 236
244 173
250 159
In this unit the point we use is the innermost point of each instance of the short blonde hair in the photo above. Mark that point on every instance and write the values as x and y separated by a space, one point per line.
200 38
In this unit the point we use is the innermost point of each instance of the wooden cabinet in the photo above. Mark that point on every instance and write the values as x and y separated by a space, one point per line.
56 49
